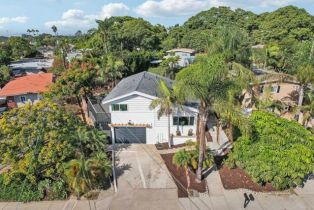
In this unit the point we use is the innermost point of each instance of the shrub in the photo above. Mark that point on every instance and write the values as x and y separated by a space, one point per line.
24 191
279 152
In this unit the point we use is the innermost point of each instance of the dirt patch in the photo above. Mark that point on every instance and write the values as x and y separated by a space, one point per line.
180 177
237 178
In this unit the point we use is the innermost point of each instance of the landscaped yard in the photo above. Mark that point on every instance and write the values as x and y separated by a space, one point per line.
180 178
238 179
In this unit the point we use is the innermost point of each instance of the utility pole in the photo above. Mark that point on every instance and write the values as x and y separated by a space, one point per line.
113 163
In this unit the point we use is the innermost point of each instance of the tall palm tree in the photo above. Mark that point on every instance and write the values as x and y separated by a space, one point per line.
111 69
204 80
165 104
209 77
103 29
54 29
63 49
183 159
307 109
305 76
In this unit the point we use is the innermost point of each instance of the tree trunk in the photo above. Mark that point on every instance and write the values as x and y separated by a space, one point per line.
188 180
81 108
64 60
169 135
300 101
230 133
202 147
198 129
218 131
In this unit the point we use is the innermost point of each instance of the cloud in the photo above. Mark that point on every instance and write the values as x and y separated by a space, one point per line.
170 8
249 4
175 8
8 20
114 9
277 3
74 18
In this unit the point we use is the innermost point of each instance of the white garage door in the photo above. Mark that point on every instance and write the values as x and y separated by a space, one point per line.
129 135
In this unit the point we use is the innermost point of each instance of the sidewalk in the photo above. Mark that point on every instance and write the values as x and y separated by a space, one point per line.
221 199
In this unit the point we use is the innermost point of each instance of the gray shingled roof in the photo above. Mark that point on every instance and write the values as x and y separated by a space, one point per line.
144 82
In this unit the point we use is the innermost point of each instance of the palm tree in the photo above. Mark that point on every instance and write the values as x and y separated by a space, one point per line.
111 69
204 80
307 109
231 115
76 172
99 167
183 159
83 175
165 104
103 30
63 48
305 76
54 29
209 77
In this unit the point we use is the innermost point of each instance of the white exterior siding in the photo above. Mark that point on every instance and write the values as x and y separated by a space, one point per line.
138 112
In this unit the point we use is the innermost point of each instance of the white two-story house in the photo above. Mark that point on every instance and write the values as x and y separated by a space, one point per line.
132 120
186 56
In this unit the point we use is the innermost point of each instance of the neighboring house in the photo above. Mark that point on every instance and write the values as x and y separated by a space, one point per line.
74 55
47 51
30 66
132 120
26 89
186 56
285 91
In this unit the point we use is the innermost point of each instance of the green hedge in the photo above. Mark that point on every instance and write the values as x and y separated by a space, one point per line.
280 152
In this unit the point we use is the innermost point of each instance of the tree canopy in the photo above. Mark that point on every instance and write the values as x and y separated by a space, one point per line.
38 141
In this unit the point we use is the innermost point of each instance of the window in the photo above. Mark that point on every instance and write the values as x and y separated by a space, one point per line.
123 107
275 89
23 99
115 107
175 120
119 107
183 121
191 121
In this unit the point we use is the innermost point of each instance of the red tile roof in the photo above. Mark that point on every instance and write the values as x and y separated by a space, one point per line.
36 83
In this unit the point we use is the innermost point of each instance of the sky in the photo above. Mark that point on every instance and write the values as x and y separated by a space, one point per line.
16 16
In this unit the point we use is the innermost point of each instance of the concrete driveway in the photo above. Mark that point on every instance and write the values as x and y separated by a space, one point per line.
143 180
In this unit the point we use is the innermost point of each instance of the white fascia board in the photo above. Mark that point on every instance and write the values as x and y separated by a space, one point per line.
129 94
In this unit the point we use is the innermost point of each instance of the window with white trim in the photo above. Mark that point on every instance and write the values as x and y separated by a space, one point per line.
119 107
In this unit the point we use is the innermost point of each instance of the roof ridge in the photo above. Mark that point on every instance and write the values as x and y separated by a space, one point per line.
159 76
139 82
